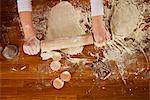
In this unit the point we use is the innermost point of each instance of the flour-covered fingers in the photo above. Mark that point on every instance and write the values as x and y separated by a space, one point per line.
33 50
25 50
32 46
38 46
108 36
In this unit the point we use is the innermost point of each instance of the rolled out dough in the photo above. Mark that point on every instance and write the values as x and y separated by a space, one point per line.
64 29
63 21
125 18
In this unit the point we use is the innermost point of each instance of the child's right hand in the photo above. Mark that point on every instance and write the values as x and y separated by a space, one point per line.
31 46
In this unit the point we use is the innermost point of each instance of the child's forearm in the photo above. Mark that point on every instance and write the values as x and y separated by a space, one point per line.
97 22
26 21
97 12
97 19
25 13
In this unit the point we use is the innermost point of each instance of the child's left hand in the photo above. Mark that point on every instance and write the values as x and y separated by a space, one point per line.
101 35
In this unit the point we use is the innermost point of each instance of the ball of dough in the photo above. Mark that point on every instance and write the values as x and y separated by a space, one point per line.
56 56
65 76
55 65
45 55
58 83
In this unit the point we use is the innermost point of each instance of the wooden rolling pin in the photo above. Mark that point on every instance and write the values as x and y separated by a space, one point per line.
67 42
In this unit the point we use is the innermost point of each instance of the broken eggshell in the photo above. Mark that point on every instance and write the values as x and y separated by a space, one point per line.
55 65
58 83
56 56
65 76
45 55
10 51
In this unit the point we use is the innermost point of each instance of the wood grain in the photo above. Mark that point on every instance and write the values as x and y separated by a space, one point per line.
29 84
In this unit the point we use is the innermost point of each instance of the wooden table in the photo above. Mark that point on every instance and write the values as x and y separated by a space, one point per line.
32 84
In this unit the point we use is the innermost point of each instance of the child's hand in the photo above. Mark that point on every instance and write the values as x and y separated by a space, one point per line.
99 31
31 46
101 34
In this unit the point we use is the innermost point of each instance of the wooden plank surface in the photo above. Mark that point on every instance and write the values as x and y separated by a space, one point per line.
32 84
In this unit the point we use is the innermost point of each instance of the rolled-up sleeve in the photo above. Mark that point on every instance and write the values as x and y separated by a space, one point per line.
97 7
24 5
